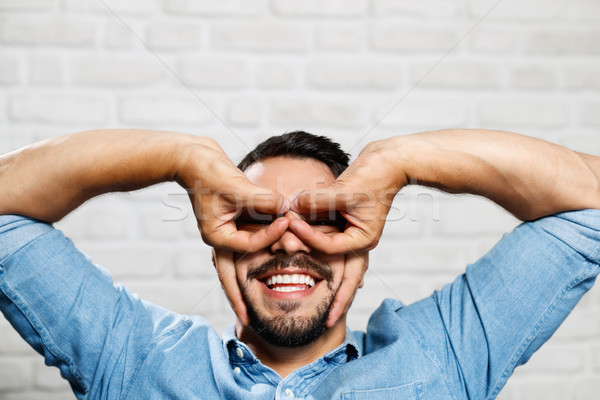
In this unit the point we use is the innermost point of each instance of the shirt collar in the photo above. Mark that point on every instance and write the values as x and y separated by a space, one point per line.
240 353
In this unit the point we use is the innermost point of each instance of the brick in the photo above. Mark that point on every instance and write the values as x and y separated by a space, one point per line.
596 358
296 113
194 262
99 220
472 216
582 76
244 112
173 35
458 74
214 72
47 378
585 388
550 388
46 69
419 8
583 10
119 7
582 323
116 35
28 5
185 297
441 112
272 75
215 7
495 40
117 70
154 225
582 143
128 260
533 77
590 113
58 108
555 42
11 343
164 109
354 74
9 70
39 395
11 138
14 374
338 8
392 37
333 37
522 110
516 10
557 359
423 258
260 36
34 30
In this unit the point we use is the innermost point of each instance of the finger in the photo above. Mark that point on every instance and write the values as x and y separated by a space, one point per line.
227 236
226 272
352 239
258 199
354 270
313 201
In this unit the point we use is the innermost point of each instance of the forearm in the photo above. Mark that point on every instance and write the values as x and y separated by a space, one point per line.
528 177
47 180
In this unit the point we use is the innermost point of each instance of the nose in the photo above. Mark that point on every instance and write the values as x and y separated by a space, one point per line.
289 243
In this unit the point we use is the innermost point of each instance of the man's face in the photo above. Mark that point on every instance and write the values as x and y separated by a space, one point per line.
288 287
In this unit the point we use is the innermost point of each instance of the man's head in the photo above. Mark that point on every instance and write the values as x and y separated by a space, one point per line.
289 287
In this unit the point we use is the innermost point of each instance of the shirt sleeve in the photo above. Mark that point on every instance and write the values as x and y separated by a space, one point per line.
68 309
513 299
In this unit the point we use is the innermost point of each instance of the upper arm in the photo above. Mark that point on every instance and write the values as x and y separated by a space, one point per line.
67 309
513 299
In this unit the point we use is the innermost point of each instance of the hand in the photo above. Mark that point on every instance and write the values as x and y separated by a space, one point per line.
363 194
218 191
355 267
225 266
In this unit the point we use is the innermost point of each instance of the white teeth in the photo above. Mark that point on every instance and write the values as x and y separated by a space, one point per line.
290 279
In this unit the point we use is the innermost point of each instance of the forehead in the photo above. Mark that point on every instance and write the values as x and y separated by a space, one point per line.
289 175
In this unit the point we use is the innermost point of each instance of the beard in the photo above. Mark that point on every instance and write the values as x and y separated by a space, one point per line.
288 330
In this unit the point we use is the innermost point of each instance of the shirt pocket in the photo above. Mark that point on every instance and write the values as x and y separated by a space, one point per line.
411 391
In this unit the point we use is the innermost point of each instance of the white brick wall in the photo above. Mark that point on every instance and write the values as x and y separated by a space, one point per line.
332 67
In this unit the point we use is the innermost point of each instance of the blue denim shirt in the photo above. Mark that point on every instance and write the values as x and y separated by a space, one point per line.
462 342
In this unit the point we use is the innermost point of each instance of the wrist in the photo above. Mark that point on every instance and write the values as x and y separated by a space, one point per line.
192 154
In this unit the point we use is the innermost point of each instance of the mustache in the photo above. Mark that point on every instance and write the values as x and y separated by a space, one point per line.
303 261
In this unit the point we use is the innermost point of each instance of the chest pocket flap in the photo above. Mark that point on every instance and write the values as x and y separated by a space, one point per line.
411 391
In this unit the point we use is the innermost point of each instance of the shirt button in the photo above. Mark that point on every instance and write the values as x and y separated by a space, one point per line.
289 392
239 352
237 370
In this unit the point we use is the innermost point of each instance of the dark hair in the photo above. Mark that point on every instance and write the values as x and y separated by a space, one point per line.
300 144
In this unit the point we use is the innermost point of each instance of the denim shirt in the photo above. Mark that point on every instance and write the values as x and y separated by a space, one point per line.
462 342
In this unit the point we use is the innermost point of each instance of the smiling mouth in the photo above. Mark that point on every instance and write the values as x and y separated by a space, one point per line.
290 282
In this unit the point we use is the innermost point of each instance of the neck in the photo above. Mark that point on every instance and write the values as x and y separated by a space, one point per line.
285 360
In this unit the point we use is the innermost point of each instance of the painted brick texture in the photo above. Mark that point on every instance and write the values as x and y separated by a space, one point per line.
340 68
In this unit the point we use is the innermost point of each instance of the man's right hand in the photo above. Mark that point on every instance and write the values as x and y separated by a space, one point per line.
218 191
49 179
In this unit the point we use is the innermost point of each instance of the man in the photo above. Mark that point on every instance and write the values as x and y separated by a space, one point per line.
290 235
